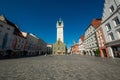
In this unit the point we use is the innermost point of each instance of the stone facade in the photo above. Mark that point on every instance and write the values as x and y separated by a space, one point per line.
59 48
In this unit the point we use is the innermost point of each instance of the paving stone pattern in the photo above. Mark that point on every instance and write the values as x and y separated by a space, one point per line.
62 67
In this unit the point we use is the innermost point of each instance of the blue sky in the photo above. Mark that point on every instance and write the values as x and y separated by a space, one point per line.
40 16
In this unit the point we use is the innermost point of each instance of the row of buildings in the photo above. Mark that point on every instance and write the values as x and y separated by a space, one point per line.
14 42
102 35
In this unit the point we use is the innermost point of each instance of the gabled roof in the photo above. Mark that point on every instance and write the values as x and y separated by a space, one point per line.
82 38
17 31
96 23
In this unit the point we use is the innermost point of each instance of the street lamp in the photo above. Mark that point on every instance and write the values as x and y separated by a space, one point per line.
66 48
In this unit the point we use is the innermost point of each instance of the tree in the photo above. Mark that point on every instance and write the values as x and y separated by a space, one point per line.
97 53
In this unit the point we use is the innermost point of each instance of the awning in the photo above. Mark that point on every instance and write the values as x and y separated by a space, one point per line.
113 43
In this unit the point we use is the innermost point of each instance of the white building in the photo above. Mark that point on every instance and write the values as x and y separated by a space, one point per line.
69 50
60 26
90 41
111 26
81 45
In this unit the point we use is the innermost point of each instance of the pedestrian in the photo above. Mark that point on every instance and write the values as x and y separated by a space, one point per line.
45 54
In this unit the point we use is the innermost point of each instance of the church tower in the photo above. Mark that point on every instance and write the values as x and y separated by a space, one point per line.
60 26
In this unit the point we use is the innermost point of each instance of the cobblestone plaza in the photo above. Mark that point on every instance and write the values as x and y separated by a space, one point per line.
62 67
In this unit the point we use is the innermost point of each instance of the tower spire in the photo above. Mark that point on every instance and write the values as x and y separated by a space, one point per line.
60 20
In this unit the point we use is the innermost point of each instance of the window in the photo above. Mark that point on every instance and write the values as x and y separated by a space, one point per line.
111 8
0 31
116 21
108 27
90 45
58 48
99 31
111 36
19 40
99 45
8 28
1 25
102 44
18 46
118 33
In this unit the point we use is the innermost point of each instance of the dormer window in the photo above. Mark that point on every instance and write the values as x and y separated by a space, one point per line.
111 8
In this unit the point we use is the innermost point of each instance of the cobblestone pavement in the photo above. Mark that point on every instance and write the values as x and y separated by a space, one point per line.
63 67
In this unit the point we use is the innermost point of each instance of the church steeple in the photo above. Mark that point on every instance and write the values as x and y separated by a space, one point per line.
60 19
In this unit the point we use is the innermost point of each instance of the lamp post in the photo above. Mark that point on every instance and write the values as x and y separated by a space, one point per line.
66 48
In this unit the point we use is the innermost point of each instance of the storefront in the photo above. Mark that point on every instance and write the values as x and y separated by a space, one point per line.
115 48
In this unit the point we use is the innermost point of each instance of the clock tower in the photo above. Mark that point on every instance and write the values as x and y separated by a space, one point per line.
60 26
59 48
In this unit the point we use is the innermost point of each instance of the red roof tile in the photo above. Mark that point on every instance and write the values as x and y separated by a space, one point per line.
96 23
82 38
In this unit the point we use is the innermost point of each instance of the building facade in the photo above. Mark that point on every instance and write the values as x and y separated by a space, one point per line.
42 47
81 45
15 43
90 40
111 26
59 48
6 36
19 43
34 45
49 48
101 42
75 48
